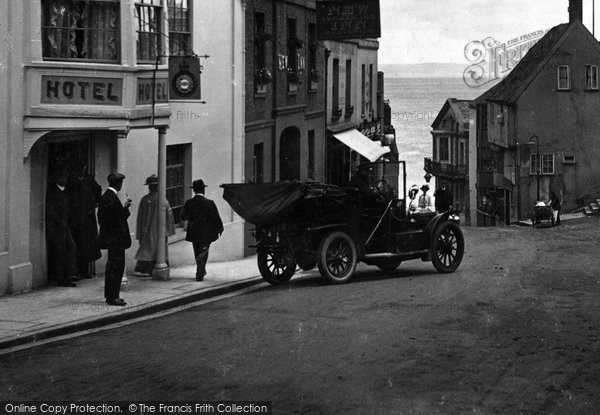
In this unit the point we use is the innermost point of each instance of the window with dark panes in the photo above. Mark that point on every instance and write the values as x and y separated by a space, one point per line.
348 86
312 54
81 30
149 29
259 160
564 77
176 179
591 77
293 43
444 152
259 41
363 76
180 32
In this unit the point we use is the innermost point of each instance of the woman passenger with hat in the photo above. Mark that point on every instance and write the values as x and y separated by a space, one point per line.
204 225
425 204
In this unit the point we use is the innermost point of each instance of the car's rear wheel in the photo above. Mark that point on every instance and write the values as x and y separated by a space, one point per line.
391 265
337 257
276 266
447 247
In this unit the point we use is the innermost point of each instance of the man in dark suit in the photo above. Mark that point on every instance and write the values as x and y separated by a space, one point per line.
61 247
114 235
84 193
204 225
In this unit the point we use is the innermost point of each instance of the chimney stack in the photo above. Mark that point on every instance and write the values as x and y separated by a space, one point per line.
575 10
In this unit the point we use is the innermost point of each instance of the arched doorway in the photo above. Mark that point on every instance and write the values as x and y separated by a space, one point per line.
289 154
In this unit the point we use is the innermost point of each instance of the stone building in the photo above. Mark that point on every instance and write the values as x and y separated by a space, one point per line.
77 80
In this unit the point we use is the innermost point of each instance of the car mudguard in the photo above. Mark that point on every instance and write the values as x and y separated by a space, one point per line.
437 219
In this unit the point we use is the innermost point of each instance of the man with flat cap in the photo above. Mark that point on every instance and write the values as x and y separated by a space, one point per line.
114 235
204 225
146 230
61 246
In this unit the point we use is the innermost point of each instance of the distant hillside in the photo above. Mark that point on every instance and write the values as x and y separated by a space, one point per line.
423 70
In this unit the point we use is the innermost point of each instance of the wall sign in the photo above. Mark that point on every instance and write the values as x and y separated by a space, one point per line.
348 19
76 90
184 75
144 91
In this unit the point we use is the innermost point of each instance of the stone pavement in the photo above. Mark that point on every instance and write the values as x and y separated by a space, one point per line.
57 311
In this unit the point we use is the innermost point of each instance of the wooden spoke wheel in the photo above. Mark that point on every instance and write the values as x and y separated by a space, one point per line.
447 247
337 257
276 266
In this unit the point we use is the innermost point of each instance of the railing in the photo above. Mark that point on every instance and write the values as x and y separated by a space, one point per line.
446 170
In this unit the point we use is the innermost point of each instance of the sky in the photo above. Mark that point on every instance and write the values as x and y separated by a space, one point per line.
423 31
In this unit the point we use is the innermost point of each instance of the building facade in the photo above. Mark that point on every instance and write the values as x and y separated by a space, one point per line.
449 163
537 130
88 81
354 102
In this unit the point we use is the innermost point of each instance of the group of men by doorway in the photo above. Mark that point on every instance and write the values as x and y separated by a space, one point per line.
75 238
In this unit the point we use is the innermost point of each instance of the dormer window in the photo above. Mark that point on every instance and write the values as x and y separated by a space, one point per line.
591 77
564 78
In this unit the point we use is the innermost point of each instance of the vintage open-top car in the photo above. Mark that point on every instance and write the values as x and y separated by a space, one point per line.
309 224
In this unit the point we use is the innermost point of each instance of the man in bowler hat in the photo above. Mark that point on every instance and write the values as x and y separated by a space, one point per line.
61 246
114 235
204 225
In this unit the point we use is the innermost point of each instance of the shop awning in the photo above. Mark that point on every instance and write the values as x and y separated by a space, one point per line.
363 145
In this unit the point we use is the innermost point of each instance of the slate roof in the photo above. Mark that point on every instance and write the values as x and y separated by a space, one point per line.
517 78
461 108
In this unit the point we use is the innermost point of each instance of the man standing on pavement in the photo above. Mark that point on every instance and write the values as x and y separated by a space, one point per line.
204 226
443 199
114 236
84 194
147 228
61 247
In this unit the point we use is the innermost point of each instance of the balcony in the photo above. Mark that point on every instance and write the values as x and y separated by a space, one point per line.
446 170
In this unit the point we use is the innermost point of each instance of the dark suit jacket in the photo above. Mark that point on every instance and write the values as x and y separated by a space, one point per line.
204 224
112 218
57 213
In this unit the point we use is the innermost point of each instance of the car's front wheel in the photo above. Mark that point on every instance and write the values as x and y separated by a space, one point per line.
447 247
337 257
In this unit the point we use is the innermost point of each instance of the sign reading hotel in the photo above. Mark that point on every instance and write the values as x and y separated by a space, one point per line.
144 91
348 19
76 90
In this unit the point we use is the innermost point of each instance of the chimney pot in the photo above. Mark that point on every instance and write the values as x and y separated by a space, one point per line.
575 10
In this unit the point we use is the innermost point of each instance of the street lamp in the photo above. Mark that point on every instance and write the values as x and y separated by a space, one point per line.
539 162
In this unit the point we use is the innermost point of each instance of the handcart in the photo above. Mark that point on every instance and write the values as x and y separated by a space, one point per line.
542 213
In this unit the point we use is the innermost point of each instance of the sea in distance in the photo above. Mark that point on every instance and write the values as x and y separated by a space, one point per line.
415 103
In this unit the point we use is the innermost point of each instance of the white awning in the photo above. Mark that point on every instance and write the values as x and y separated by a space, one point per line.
362 144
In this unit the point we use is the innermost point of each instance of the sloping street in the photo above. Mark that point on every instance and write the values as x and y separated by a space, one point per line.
515 329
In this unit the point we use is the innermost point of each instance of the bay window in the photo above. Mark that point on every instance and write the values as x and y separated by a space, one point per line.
86 30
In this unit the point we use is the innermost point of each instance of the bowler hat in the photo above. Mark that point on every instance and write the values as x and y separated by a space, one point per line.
115 178
153 179
198 184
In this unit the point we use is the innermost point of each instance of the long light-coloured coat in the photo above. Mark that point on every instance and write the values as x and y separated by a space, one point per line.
147 227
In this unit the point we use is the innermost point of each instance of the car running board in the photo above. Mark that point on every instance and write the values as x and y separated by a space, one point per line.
390 255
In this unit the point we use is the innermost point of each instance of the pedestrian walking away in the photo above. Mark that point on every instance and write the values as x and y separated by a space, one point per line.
61 247
443 199
114 236
147 228
204 225
84 195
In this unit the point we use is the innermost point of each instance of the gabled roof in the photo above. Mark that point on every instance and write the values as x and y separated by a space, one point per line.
460 108
528 67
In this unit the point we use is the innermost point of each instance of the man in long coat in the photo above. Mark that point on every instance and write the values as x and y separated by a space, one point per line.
84 194
204 225
114 236
61 247
147 228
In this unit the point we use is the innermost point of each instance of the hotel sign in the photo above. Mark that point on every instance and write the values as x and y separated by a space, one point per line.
76 90
144 91
348 19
